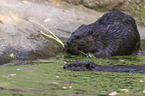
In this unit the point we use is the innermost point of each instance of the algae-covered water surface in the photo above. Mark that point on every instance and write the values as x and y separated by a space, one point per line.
46 77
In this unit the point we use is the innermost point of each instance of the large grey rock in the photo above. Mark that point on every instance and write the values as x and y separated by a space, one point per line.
99 5
21 38
135 8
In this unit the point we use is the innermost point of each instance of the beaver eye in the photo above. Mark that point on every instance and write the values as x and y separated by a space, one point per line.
76 37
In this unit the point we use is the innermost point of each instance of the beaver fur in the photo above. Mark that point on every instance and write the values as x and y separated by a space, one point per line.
90 66
115 33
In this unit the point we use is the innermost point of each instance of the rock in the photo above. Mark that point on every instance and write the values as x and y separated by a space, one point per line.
21 38
99 5
132 7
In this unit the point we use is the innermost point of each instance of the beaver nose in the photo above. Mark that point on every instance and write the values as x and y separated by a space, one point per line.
65 66
64 47
67 44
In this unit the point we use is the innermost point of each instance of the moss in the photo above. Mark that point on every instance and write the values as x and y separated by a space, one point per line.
47 77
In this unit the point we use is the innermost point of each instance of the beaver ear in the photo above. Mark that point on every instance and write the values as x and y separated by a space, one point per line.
82 25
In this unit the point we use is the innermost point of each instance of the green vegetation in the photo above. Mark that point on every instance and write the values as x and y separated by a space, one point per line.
48 78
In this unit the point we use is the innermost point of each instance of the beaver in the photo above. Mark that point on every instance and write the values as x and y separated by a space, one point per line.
90 66
115 33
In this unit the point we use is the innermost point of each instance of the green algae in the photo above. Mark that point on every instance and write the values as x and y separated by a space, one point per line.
46 77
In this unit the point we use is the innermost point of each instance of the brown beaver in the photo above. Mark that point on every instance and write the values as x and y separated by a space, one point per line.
90 66
115 33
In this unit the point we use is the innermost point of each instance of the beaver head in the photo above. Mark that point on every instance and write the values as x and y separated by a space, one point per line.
85 39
